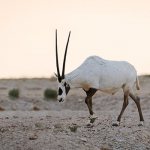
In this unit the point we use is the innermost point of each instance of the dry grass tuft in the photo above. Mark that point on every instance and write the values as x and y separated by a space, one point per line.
73 128
13 94
50 94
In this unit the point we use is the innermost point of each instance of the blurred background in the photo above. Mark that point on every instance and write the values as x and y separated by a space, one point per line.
112 29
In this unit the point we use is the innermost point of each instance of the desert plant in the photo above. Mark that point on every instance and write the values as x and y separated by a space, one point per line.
14 93
73 128
146 76
50 94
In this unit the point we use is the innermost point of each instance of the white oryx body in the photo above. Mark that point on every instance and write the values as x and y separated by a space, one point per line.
96 73
104 75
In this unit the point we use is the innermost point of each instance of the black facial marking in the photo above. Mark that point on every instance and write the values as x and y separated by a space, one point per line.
59 79
61 100
67 87
60 91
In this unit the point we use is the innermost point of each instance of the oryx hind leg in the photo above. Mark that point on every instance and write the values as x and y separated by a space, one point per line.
125 104
136 99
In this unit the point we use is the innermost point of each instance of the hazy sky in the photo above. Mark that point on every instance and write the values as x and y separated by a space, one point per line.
112 29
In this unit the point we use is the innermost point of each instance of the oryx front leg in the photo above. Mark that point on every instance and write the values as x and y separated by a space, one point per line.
88 101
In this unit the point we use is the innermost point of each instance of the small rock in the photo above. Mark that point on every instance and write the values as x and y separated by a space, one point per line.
106 147
35 108
58 125
33 137
83 139
1 108
15 117
80 100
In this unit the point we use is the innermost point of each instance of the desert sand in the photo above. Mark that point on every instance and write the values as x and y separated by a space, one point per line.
33 123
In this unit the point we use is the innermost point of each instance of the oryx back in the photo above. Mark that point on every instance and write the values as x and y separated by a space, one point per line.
105 75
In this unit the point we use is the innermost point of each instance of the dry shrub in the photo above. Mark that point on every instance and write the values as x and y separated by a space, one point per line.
73 128
146 76
50 94
14 93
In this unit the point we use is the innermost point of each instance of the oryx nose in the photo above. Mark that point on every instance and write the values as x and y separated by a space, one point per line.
60 100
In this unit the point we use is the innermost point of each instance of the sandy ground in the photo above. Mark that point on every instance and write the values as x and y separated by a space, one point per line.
62 126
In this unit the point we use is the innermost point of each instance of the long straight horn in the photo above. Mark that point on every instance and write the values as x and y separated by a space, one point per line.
57 63
63 70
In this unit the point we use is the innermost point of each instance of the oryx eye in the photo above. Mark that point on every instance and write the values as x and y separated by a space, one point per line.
60 91
65 84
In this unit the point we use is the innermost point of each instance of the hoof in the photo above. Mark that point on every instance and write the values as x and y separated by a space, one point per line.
116 124
141 123
92 118
89 125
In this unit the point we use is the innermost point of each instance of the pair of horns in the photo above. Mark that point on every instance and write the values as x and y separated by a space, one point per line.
57 63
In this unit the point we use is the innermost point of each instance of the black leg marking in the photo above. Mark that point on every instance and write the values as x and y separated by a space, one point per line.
88 99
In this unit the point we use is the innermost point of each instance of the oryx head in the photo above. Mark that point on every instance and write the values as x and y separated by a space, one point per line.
63 86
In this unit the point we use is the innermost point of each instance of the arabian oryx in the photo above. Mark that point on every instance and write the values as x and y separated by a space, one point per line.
95 74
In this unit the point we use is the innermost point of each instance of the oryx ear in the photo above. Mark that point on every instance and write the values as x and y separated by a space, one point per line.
58 78
56 74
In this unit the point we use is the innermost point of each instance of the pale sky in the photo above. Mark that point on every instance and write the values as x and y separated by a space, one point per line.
111 29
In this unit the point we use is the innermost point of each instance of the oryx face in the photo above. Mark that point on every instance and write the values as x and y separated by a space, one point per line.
63 89
63 86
